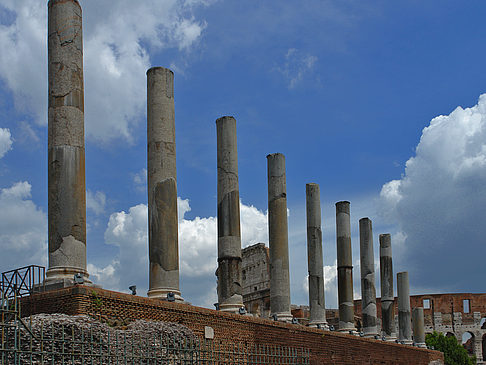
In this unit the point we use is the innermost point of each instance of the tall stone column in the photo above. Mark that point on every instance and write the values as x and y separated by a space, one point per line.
387 295
314 258
278 238
66 173
344 267
368 291
230 297
162 185
404 320
418 327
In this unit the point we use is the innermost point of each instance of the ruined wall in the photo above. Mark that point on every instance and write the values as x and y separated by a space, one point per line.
326 347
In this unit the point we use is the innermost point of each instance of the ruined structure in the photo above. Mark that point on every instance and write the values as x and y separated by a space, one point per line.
230 297
66 173
278 238
418 327
386 282
162 185
404 315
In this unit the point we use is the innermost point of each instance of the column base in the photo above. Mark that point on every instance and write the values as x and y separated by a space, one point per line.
63 277
319 324
370 332
347 327
231 308
283 317
406 342
390 338
422 345
161 293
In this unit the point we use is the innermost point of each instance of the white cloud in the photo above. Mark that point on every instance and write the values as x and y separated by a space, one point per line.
296 66
439 203
96 201
117 39
197 247
5 141
23 228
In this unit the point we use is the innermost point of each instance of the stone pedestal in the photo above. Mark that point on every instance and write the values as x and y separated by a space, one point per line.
66 171
404 320
230 297
278 239
314 258
387 295
162 185
418 327
368 291
344 268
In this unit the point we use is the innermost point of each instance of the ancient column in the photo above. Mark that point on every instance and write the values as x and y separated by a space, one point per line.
368 291
344 267
387 296
418 327
404 320
66 174
162 185
230 297
314 258
278 238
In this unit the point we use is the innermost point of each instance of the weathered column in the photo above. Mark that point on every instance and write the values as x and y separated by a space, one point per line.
387 296
368 291
344 267
162 185
418 327
278 238
314 258
230 297
66 174
404 320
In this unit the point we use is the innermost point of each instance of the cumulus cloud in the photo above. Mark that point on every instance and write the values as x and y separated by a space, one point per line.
197 246
439 202
5 141
116 46
23 228
297 65
330 285
95 201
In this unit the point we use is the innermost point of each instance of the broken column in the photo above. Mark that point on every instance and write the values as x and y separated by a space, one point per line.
314 258
162 185
278 239
66 173
404 320
230 297
387 296
344 267
418 327
368 291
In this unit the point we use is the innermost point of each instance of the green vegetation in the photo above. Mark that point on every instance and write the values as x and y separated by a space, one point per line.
454 353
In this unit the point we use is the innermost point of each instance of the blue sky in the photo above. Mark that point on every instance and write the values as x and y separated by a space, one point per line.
348 91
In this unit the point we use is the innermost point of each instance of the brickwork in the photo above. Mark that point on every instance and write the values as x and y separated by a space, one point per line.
326 347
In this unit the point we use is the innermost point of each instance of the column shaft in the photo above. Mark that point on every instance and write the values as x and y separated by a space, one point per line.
162 185
368 291
229 237
314 258
404 320
387 295
418 327
278 238
66 170
344 267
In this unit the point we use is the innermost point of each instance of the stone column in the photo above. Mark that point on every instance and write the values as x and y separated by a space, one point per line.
387 296
230 297
418 327
278 238
66 173
368 291
162 185
344 267
314 258
404 320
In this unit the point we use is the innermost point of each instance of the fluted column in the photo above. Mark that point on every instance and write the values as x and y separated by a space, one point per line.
66 171
404 320
344 267
162 185
230 297
387 295
418 327
368 291
314 258
278 238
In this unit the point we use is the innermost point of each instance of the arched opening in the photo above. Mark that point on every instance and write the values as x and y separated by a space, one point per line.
482 323
484 347
468 342
450 334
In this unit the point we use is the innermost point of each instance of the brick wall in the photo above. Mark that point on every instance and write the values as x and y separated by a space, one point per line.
326 347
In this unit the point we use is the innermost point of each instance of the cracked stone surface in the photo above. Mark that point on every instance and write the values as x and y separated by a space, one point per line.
386 281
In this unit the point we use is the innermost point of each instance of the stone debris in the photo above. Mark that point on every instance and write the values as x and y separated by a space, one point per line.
82 339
